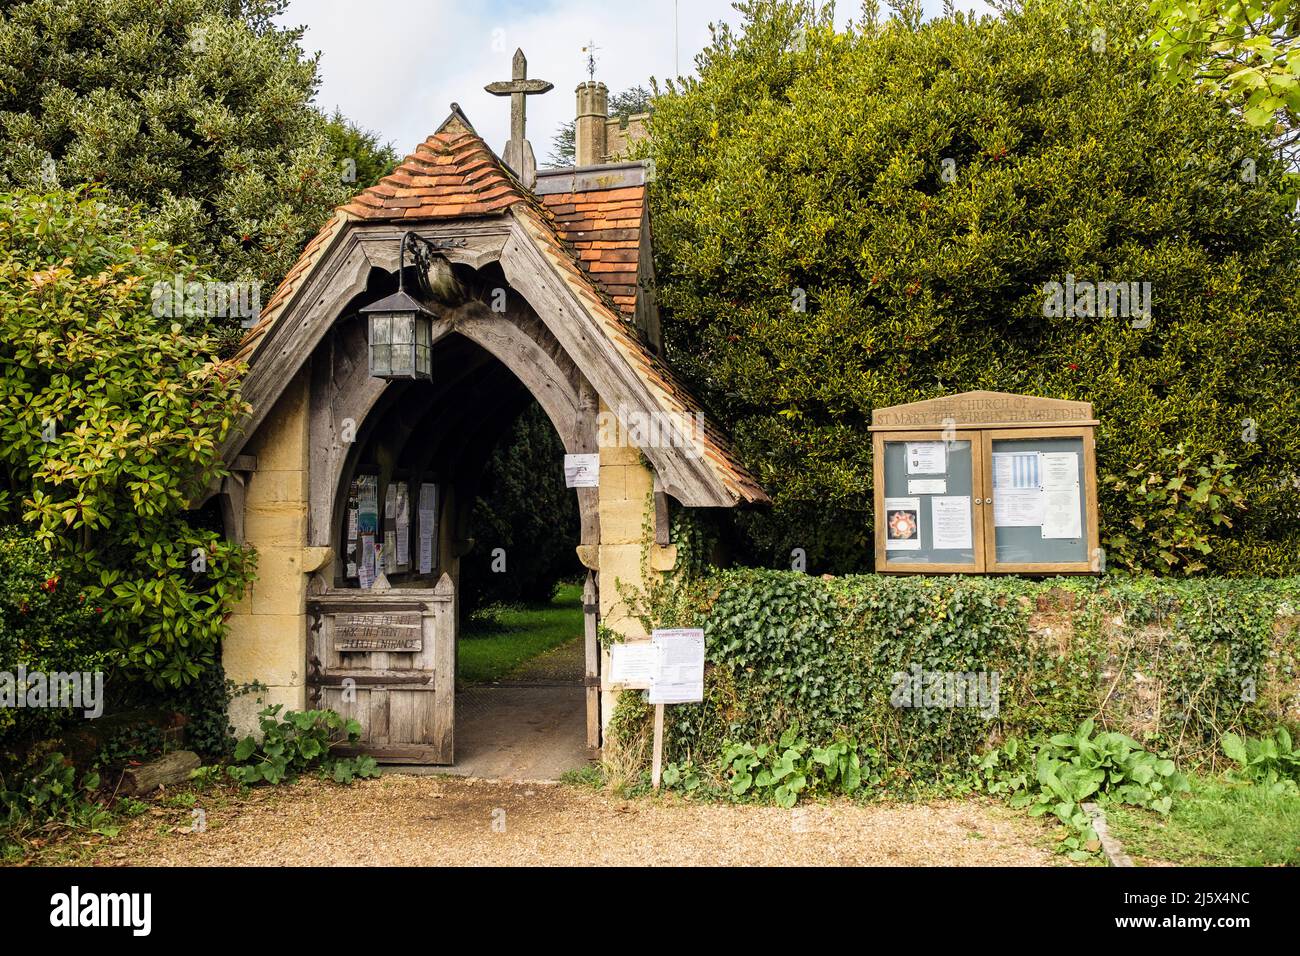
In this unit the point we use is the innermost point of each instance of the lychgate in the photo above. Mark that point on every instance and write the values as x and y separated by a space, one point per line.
350 475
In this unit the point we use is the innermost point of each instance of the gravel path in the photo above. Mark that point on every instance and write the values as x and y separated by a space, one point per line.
433 821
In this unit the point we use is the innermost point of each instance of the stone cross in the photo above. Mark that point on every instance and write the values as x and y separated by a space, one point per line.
519 152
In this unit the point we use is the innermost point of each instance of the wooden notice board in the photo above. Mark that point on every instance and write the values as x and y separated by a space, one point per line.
986 482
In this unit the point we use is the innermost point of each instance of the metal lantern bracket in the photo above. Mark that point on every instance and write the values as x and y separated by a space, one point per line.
400 325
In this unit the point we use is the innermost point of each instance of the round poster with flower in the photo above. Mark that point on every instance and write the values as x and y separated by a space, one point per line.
902 524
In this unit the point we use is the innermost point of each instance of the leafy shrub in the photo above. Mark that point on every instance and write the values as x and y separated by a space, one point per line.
138 743
201 111
1069 769
1273 761
846 220
298 742
46 625
110 423
792 767
1177 507
47 794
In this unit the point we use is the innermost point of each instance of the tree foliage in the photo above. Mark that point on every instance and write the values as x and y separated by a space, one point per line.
1248 52
523 508
850 220
199 110
110 423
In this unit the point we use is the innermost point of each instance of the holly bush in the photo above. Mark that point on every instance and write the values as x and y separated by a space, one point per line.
110 421
846 220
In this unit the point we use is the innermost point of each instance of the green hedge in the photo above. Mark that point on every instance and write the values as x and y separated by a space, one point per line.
1175 663
846 220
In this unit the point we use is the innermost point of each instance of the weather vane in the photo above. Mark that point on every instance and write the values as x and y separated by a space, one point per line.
590 49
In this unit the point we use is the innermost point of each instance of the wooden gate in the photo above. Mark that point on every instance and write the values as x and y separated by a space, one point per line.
387 658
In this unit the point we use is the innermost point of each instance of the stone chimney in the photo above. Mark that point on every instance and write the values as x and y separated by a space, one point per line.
589 129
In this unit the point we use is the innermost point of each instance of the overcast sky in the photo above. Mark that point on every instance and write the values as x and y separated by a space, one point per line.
395 66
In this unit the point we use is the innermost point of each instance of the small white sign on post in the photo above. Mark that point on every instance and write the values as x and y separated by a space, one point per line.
582 471
678 679
632 665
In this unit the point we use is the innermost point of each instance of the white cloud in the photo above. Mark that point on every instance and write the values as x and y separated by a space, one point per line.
395 66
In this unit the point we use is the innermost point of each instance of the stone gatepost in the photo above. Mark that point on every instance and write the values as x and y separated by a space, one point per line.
628 553
267 633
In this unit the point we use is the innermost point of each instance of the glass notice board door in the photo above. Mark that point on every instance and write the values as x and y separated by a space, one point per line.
929 499
1043 501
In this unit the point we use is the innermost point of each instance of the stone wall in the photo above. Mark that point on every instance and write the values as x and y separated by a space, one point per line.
267 631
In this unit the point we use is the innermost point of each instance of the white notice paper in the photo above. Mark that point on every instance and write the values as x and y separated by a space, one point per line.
902 524
1017 508
927 486
633 664
1061 512
950 522
680 676
582 471
1019 470
428 513
1060 470
1061 518
927 458
403 550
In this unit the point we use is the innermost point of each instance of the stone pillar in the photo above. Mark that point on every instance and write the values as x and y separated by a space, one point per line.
627 550
267 636
589 145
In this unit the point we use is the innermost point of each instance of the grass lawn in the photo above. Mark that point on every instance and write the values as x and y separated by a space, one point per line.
518 635
1217 824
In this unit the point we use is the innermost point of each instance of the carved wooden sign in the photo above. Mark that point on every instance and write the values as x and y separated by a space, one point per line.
393 631
983 409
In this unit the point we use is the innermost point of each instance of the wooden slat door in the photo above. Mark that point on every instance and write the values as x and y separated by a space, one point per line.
387 658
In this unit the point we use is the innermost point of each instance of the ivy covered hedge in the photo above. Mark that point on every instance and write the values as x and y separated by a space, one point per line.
1173 663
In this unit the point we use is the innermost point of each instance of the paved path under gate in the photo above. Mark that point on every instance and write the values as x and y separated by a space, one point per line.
519 732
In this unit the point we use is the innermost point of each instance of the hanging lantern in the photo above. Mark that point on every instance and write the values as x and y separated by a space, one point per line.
401 330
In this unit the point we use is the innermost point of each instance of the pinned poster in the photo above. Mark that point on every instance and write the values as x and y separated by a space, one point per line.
1014 508
950 520
366 560
582 471
428 517
1062 516
902 524
679 675
927 458
633 664
402 508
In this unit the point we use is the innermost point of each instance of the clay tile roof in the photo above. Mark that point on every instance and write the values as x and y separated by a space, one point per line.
603 227
450 175
591 237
